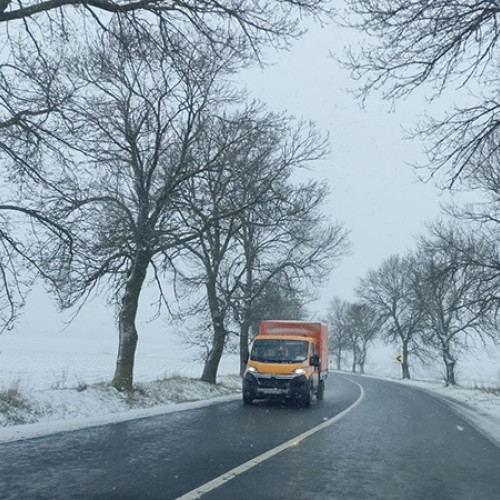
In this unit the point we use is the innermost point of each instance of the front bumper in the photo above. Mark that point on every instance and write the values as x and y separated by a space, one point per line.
262 385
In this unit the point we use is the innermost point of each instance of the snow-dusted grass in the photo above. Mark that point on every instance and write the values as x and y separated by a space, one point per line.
46 411
59 380
61 403
16 408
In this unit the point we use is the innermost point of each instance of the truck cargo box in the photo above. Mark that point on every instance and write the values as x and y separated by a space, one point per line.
315 330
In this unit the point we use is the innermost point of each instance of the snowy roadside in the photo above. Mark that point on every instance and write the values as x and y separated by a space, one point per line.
36 413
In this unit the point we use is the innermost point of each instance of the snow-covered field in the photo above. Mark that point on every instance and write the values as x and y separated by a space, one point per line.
50 382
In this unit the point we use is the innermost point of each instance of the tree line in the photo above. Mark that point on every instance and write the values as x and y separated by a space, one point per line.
440 300
129 157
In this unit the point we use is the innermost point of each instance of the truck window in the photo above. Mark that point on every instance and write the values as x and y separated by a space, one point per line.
279 351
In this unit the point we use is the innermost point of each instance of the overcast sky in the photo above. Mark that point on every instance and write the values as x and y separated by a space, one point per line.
374 190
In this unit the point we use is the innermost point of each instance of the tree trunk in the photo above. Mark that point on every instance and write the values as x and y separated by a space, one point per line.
339 358
450 373
244 335
362 357
405 367
247 304
354 360
209 373
212 362
449 364
124 372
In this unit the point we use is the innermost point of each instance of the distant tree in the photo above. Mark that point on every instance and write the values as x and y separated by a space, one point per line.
338 342
451 298
363 325
389 291
279 300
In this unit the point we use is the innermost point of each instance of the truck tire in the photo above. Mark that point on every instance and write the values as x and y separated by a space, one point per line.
306 397
247 400
321 390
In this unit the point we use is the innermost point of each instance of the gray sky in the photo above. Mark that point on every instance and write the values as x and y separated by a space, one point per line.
373 189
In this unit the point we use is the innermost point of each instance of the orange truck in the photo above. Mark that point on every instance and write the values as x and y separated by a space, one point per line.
288 359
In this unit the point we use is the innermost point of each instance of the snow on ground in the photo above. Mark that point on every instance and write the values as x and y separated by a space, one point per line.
53 380
55 377
42 412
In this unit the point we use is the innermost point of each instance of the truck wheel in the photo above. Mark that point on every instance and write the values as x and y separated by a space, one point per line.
306 397
321 390
247 399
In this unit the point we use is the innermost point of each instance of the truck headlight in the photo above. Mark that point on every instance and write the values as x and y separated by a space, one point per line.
299 371
252 369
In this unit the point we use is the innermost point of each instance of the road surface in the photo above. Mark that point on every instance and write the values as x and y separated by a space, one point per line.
378 440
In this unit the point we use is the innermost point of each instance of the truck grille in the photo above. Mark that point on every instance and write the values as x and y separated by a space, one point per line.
274 383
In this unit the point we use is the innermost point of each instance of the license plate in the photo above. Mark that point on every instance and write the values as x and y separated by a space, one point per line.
273 391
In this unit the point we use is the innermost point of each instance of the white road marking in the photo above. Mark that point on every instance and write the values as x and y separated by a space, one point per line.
219 481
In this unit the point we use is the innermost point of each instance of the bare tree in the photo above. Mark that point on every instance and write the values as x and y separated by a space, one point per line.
291 239
272 21
136 132
444 44
280 299
338 329
354 326
363 325
263 227
213 202
25 236
389 291
32 92
451 296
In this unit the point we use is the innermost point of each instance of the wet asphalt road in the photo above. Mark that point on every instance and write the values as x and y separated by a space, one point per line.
398 443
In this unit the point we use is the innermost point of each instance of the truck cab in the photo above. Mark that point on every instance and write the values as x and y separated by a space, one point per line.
285 361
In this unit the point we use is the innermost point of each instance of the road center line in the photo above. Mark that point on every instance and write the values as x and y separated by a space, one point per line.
224 478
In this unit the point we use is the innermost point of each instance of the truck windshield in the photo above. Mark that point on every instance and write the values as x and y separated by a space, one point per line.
279 351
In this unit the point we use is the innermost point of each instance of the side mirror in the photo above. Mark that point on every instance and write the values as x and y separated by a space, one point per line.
315 360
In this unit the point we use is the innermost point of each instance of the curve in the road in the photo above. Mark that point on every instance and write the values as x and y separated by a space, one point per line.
233 473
